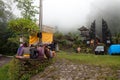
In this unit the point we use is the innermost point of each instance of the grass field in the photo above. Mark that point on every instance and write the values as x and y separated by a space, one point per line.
82 58
4 72
101 60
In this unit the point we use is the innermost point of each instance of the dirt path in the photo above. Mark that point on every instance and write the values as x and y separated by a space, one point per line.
4 60
66 70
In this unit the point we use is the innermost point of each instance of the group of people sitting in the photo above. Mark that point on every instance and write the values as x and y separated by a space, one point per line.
40 51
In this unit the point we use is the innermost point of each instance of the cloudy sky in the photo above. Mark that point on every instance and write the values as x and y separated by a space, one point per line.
69 15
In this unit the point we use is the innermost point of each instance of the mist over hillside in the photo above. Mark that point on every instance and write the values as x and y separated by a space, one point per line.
109 10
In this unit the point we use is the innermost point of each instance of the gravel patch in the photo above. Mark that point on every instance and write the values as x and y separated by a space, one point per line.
66 70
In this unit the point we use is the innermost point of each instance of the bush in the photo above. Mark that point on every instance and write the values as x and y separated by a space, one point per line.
14 68
9 48
23 69
3 72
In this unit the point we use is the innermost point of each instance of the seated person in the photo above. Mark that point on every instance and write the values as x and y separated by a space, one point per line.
48 53
40 50
33 52
25 51
19 50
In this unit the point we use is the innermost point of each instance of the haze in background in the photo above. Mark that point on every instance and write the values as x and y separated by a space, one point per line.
69 15
109 10
66 15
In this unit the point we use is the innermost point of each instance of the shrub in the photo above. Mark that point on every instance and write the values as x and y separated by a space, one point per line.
3 72
14 68
23 69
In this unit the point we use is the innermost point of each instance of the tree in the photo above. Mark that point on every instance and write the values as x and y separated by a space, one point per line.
28 11
5 16
5 11
58 36
116 38
75 38
22 25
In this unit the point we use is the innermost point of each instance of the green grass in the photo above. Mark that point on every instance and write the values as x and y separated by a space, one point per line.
82 58
4 72
102 60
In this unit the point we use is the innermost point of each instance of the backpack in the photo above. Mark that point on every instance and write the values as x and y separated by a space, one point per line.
33 53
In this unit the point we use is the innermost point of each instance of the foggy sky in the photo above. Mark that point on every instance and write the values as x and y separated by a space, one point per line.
69 15
109 10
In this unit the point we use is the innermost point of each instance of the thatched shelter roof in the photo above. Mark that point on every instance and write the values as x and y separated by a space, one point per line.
83 29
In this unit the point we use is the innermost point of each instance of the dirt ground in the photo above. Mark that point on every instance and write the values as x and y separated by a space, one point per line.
4 60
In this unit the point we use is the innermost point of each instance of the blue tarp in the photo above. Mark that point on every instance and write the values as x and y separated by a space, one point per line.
114 49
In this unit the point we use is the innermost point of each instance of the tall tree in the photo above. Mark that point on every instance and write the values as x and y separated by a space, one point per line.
4 11
5 16
27 9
